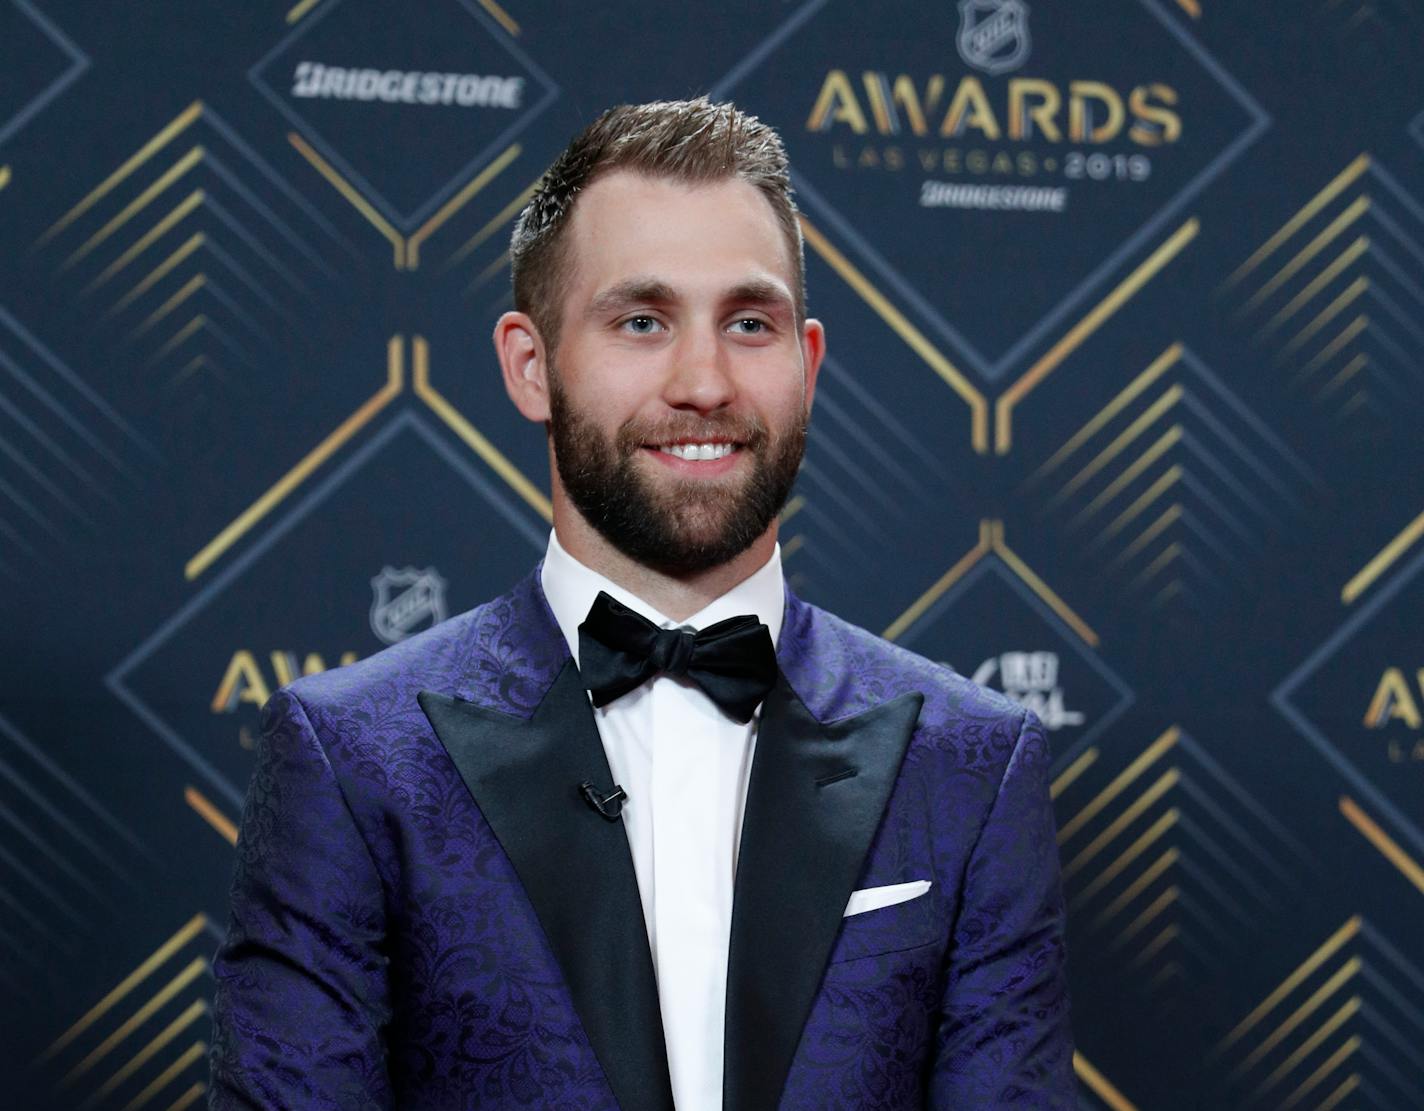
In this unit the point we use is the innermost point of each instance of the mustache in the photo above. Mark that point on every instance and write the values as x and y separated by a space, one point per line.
745 430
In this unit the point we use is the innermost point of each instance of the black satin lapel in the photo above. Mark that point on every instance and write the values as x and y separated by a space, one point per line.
575 866
803 845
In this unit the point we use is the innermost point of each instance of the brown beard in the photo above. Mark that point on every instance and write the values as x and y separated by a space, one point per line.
689 525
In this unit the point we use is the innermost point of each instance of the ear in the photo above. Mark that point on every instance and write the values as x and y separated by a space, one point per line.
520 349
813 350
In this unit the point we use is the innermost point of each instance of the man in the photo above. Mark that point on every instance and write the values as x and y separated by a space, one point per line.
648 830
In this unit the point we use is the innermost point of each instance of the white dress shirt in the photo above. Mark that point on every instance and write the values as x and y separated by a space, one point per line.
685 766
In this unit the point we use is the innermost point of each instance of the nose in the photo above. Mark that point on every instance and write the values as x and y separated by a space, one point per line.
700 376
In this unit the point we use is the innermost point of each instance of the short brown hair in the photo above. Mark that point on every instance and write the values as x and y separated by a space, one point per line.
686 140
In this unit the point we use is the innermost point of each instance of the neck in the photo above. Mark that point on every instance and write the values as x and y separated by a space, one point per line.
677 597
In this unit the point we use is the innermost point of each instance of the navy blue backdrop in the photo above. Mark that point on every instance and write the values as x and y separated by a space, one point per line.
1121 416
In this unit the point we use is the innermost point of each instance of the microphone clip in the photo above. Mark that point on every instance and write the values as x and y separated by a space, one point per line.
610 806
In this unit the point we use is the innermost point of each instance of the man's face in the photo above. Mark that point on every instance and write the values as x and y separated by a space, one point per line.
682 383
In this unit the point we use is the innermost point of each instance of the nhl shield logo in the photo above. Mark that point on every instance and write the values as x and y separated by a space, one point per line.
405 601
993 34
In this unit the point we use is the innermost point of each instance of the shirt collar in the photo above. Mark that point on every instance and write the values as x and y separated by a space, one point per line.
571 587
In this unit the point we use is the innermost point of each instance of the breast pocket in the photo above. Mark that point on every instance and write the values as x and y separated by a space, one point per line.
906 923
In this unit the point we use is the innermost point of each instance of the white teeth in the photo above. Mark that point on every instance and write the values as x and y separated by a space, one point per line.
698 451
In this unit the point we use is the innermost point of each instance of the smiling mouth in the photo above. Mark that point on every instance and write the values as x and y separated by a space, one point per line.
696 452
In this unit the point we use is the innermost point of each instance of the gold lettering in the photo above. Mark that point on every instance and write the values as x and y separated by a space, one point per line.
885 98
837 104
284 665
242 682
1154 125
970 108
1023 115
1393 700
880 106
1081 127
1096 112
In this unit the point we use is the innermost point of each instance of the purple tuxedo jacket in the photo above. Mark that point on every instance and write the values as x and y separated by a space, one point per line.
426 914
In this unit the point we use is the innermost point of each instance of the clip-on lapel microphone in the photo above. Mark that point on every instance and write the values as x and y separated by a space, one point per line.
610 806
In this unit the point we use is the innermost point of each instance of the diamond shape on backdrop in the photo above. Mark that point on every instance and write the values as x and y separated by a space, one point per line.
1174 875
992 627
865 496
153 1017
1171 490
1375 736
1341 1022
371 553
1333 297
78 455
195 274
1154 126
75 867
40 63
405 103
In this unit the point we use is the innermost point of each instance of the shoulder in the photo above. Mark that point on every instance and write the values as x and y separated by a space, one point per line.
839 669
363 716
499 653
430 660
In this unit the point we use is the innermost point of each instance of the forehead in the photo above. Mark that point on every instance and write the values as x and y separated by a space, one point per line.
691 235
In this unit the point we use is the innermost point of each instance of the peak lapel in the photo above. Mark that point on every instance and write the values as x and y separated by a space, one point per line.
803 845
574 865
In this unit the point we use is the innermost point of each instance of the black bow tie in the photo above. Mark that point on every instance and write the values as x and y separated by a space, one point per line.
733 661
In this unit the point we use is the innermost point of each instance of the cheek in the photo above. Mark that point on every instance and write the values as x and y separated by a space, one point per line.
772 378
605 394
781 403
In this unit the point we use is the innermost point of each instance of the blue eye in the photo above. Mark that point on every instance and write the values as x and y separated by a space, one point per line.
756 326
641 325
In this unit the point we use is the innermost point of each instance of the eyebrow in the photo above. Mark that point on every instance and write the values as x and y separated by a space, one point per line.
634 291
760 291
652 291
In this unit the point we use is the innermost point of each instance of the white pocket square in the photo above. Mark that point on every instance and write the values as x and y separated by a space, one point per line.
873 898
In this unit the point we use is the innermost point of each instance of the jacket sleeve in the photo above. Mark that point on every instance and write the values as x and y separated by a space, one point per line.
302 997
1003 1037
